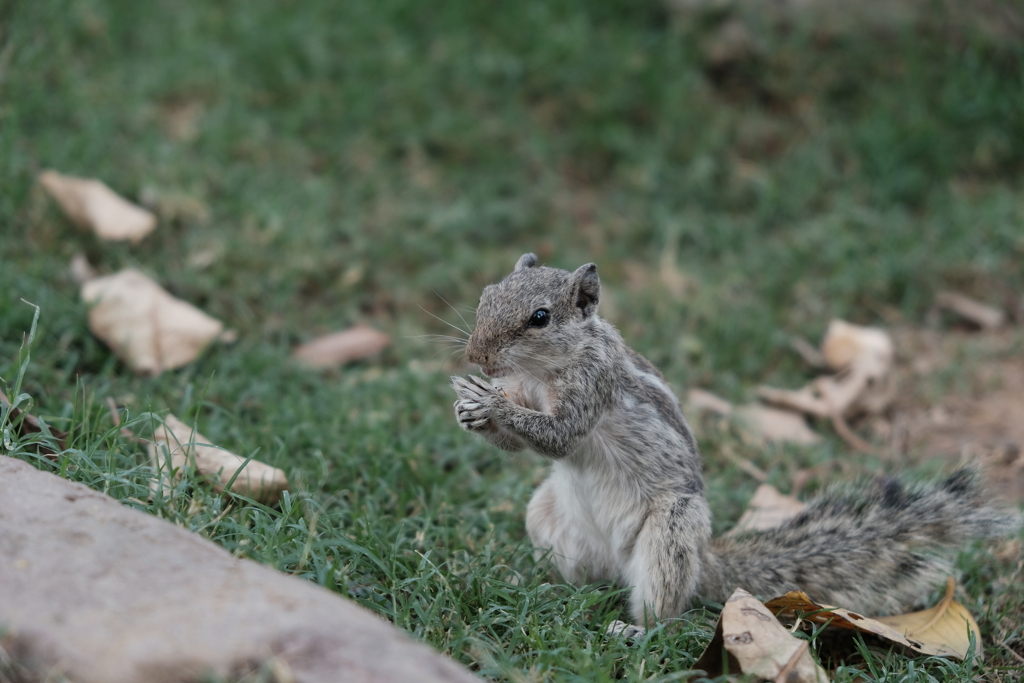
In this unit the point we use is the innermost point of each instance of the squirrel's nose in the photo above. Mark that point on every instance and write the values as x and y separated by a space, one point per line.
474 354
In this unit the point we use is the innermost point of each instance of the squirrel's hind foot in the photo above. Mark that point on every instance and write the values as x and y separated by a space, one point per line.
620 629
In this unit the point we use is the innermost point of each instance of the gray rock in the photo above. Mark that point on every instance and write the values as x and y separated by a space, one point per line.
106 594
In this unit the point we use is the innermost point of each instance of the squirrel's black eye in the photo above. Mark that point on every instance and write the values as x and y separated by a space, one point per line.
540 318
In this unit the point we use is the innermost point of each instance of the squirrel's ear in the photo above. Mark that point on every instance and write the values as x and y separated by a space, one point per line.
525 261
586 289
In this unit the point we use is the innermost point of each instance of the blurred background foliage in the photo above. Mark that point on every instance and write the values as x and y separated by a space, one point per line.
321 162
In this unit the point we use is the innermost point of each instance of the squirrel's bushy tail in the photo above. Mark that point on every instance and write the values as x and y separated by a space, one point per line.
875 551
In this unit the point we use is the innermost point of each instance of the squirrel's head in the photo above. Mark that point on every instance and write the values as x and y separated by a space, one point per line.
534 318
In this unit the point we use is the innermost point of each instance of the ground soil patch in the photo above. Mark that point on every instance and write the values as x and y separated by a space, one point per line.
962 397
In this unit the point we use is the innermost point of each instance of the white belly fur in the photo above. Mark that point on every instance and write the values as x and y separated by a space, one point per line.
586 516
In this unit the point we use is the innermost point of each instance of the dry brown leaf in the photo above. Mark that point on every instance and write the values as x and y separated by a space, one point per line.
863 358
767 510
847 345
756 422
805 400
982 315
750 640
31 424
339 348
147 328
942 630
948 625
176 447
698 400
91 205
80 268
772 424
810 353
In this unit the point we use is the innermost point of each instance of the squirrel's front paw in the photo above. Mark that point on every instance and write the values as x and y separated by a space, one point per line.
473 388
472 416
476 400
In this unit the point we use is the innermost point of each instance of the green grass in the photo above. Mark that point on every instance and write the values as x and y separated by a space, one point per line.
357 161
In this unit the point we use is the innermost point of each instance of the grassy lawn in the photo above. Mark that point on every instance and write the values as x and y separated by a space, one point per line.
318 164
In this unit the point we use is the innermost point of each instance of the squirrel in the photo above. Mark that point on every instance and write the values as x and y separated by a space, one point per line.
625 499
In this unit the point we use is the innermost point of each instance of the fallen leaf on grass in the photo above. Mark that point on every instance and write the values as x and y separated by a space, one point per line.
339 348
698 400
176 447
984 316
147 328
767 510
26 423
846 345
81 270
91 205
948 624
757 423
750 640
810 353
942 630
863 358
776 425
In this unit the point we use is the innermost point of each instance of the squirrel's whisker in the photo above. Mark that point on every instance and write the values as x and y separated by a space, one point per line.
441 364
445 322
542 359
452 307
522 369
446 349
438 338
